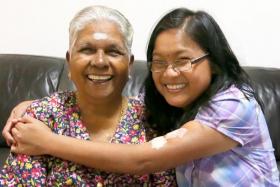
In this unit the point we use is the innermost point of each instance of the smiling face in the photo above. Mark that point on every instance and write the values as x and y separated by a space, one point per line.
99 61
180 89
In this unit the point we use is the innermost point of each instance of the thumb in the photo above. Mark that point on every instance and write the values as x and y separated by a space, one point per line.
27 119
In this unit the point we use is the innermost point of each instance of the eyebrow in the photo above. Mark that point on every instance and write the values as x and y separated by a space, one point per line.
117 47
185 52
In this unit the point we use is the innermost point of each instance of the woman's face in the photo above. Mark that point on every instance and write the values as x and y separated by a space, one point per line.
99 61
180 88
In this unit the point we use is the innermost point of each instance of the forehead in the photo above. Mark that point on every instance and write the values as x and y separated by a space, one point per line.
174 41
99 32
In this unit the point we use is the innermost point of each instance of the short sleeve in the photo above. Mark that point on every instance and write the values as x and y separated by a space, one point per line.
231 114
50 110
39 109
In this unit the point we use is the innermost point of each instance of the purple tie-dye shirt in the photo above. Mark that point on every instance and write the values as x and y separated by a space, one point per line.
252 163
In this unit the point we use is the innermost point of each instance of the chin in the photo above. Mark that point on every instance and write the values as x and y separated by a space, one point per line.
176 103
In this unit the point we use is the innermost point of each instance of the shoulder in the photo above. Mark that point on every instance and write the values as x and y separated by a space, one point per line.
230 100
52 103
229 107
136 104
231 93
231 113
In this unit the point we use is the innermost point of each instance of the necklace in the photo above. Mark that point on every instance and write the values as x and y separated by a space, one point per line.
121 114
109 136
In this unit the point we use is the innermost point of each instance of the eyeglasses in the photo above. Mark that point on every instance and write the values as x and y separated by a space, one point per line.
178 66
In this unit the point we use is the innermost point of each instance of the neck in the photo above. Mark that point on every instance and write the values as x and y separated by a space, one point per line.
100 114
99 107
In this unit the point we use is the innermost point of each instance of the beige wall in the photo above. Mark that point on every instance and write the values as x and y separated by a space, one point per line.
41 26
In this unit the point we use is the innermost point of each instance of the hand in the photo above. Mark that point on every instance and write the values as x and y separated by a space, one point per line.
31 136
17 112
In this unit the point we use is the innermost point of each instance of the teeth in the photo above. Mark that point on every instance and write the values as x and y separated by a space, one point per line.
175 86
99 77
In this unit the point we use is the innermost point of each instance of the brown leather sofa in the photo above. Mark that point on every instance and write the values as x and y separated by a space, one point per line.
24 77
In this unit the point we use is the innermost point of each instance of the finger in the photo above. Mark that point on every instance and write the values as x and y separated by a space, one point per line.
15 133
15 120
6 133
18 111
27 119
21 127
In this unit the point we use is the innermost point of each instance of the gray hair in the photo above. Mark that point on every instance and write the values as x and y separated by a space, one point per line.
94 13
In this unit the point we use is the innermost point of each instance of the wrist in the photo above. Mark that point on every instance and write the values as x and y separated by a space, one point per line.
50 144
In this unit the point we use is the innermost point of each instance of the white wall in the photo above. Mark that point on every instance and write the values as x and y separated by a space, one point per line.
40 27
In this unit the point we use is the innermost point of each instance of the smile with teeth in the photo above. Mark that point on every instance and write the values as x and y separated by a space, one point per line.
99 77
175 86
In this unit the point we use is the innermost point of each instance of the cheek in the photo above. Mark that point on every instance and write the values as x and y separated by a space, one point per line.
156 79
201 80
76 69
121 68
121 72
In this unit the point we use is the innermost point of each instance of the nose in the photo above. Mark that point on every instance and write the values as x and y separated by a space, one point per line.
99 60
171 71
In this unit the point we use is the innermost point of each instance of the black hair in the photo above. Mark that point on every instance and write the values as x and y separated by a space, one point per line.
203 30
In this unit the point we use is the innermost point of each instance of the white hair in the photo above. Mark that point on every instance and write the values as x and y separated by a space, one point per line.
95 13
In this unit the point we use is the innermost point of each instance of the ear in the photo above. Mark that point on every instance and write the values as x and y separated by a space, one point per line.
68 63
67 57
131 61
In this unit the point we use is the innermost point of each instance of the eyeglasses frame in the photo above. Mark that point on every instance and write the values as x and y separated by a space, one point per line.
192 61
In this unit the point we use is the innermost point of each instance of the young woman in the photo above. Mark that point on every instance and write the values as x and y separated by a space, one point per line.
197 86
99 58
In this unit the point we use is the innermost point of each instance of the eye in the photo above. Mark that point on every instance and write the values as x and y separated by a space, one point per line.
86 50
182 61
159 62
115 52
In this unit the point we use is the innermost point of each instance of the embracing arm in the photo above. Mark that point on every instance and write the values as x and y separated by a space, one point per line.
164 153
16 113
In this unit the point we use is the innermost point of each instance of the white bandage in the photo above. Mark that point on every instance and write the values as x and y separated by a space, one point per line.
179 133
158 142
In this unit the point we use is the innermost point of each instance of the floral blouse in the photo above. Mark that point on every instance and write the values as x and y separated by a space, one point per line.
61 113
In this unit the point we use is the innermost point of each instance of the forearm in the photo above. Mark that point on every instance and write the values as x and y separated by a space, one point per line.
133 159
164 153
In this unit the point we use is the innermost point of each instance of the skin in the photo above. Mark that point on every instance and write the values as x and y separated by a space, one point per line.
99 69
16 113
180 88
199 140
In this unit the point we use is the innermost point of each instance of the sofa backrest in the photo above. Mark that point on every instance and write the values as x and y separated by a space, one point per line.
24 77
267 84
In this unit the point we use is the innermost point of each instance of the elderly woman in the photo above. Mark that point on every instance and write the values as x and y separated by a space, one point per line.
99 58
196 84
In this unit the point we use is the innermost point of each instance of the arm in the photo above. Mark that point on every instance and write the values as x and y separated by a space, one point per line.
198 141
17 112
